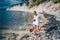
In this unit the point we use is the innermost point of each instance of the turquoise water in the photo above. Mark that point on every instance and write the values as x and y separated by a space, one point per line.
9 19
6 3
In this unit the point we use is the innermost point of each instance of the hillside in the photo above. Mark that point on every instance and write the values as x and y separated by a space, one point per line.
45 6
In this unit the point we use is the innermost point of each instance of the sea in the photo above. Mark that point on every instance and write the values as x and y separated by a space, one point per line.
9 19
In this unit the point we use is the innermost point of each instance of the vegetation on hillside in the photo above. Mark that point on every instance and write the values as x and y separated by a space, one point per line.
56 1
27 2
37 2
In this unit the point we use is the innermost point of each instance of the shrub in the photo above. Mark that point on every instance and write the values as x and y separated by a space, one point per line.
37 2
56 1
27 2
31 5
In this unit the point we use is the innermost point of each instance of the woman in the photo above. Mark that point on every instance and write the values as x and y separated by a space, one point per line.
35 22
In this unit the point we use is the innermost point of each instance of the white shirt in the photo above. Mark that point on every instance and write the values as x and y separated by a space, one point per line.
36 19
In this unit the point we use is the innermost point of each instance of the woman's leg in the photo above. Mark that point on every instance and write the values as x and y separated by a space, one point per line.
35 27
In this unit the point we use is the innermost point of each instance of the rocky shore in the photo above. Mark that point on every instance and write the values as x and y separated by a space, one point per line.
48 11
49 22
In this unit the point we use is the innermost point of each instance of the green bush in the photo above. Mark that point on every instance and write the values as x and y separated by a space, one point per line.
31 5
37 2
56 1
27 2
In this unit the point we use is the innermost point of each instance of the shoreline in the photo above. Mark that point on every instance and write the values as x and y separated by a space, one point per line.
46 6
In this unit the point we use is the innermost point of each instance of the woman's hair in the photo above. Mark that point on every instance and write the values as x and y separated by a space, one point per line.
35 12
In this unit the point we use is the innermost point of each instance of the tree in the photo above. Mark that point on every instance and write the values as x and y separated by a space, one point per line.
27 2
56 1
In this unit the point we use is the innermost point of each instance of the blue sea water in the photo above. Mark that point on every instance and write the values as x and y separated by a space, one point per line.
9 19
6 3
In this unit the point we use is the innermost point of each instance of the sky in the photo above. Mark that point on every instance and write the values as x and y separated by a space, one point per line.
6 3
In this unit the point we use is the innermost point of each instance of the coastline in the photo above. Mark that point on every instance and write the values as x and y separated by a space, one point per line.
46 6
